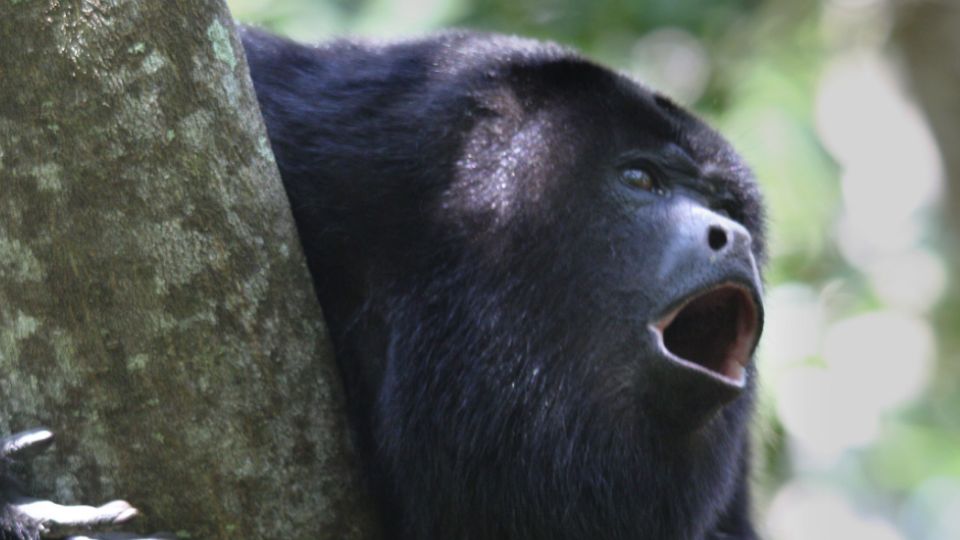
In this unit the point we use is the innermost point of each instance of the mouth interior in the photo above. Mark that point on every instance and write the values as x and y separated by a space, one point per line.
714 331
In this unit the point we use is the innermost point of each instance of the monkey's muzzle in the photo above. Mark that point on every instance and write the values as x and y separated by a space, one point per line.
713 331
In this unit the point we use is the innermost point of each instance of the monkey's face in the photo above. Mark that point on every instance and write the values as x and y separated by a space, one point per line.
628 235
690 271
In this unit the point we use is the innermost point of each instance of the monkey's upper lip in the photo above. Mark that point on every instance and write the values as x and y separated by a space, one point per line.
712 331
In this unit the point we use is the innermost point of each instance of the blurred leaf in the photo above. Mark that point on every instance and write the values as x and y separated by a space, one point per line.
907 454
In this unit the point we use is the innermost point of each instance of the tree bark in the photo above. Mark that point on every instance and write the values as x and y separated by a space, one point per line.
155 309
926 31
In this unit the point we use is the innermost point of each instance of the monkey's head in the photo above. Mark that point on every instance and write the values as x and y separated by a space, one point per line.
615 234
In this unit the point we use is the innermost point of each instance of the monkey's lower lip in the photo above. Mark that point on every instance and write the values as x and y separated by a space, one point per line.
713 332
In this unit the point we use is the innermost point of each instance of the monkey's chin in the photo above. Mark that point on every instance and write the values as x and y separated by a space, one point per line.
712 332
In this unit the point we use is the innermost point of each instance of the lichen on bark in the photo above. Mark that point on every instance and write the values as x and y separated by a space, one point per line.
155 310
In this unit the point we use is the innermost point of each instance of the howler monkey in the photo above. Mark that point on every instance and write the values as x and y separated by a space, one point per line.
541 280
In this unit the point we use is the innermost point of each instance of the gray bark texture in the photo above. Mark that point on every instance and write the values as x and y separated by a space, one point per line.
927 32
155 310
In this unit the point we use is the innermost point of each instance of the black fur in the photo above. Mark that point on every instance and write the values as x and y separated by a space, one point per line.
488 283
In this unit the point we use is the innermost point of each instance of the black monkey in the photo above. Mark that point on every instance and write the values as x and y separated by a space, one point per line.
541 279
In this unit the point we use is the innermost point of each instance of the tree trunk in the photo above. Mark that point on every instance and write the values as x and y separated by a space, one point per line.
926 31
155 309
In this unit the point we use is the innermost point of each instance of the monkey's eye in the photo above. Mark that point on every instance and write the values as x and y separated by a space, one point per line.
639 178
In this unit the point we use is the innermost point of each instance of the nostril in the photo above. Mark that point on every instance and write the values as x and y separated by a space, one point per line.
717 237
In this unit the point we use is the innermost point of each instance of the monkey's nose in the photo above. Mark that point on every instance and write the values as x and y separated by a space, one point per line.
717 237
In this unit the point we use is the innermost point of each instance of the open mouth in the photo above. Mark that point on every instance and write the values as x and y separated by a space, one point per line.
713 332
